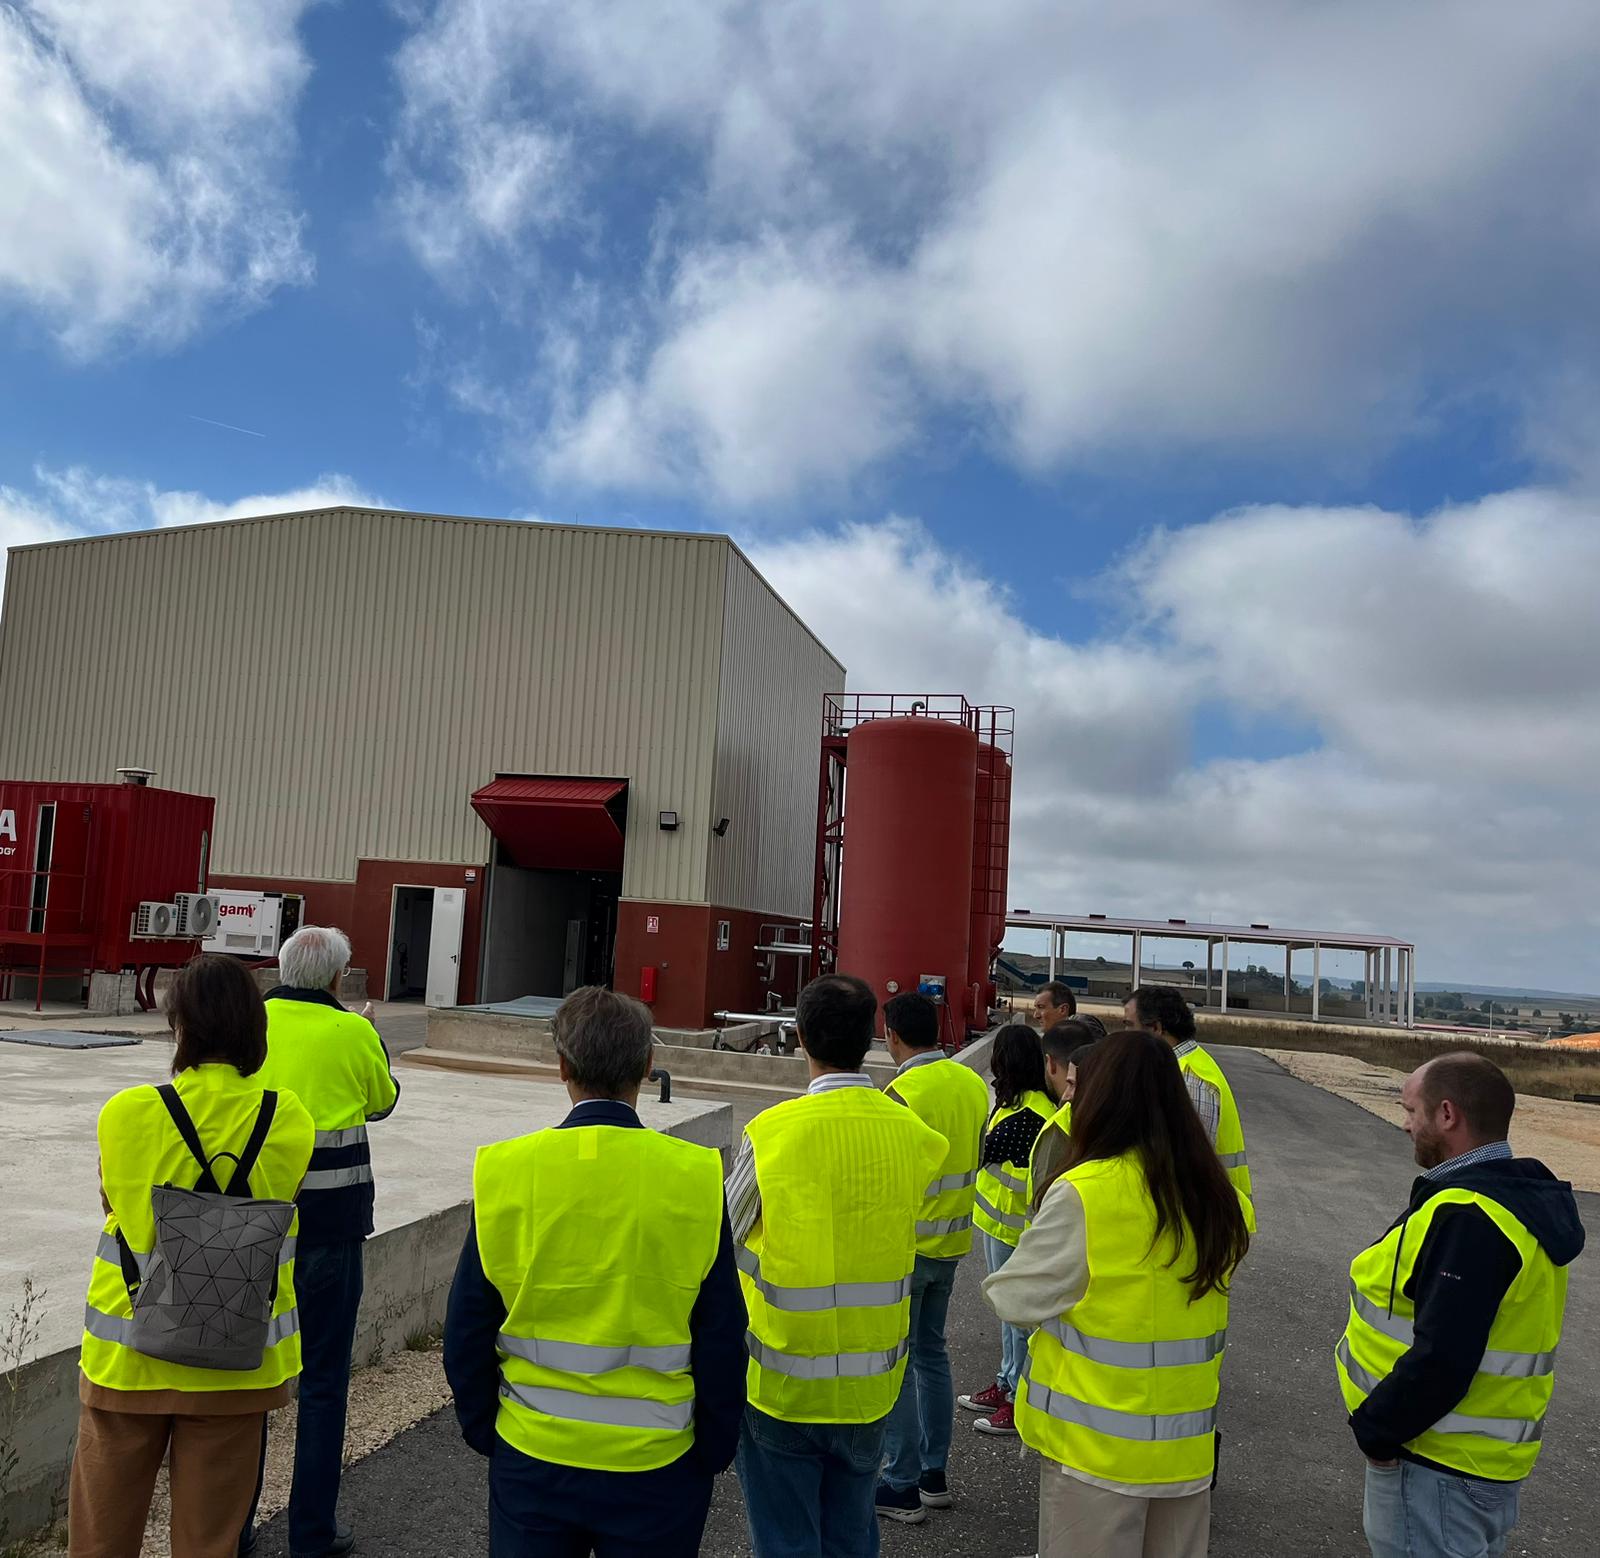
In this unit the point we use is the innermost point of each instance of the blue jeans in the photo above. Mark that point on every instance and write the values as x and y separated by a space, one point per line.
809 1487
1013 1340
538 1507
1413 1512
922 1422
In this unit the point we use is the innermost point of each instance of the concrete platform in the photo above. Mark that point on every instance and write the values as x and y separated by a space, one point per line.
422 1159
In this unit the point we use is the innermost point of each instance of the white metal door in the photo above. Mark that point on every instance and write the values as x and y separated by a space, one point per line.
444 945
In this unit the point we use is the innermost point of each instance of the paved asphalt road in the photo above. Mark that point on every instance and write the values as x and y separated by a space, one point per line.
1329 1176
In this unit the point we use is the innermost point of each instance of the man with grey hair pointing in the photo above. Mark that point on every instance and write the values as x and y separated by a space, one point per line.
334 1061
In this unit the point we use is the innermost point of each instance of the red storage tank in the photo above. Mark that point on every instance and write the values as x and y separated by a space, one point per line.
991 850
76 860
905 906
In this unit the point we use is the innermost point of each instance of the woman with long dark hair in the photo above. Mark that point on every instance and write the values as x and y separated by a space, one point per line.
1022 1103
1124 1272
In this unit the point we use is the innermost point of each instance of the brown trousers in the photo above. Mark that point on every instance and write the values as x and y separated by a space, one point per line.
215 1463
1077 1520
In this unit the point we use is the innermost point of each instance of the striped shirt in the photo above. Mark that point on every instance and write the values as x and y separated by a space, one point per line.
1206 1099
744 1195
1489 1152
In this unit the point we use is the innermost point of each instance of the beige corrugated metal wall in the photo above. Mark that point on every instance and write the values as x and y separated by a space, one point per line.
342 681
774 676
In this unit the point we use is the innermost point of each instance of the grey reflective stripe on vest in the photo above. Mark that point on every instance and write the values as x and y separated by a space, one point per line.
1232 1159
1010 1181
1503 1365
667 1417
115 1328
836 1365
950 1182
1395 1327
1358 1375
110 1251
943 1226
1118 1425
582 1358
1137 1355
1005 1219
348 1137
833 1295
337 1179
1509 1430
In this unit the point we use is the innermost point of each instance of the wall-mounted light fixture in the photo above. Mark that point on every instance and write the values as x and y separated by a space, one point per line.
669 822
721 829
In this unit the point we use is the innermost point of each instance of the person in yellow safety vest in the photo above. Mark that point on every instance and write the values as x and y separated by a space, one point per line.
594 1338
135 1410
1021 1107
1161 1009
825 1197
1061 1043
953 1099
1447 1365
333 1060
1124 1271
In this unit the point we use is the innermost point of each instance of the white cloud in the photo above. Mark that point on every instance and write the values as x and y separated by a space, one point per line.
1445 665
1086 229
144 191
77 502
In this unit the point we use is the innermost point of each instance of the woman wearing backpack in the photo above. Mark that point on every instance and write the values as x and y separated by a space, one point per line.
183 1240
1124 1271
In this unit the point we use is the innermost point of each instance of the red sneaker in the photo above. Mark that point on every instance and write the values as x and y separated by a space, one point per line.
984 1400
999 1421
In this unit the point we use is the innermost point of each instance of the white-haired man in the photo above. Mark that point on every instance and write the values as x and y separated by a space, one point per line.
335 1062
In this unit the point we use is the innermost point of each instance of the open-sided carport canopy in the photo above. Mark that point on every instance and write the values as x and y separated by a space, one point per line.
553 824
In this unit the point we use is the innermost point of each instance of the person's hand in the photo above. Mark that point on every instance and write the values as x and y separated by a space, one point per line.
1381 1465
366 1011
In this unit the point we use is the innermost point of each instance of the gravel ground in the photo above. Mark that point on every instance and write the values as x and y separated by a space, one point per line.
1564 1135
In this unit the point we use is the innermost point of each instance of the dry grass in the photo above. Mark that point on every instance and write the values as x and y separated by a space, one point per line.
1533 1069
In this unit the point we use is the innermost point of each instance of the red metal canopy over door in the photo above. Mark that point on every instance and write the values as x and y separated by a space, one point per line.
557 824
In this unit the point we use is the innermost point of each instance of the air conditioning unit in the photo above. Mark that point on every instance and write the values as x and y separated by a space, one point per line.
197 915
156 922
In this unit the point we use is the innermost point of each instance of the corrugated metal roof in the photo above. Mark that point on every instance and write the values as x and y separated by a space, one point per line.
1199 930
552 792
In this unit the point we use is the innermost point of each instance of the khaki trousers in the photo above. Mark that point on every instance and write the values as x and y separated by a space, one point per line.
1080 1521
215 1463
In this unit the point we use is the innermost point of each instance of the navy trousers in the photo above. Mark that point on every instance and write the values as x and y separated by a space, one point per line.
540 1510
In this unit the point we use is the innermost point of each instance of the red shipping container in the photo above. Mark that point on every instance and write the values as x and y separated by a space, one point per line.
77 860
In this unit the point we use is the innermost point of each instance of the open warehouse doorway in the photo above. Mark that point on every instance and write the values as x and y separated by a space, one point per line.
555 878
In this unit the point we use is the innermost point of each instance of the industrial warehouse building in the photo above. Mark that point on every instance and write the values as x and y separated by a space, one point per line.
507 757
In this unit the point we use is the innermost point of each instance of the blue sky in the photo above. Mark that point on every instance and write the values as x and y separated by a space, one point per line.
1217 388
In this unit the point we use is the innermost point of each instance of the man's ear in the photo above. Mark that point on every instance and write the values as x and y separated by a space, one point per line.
562 1068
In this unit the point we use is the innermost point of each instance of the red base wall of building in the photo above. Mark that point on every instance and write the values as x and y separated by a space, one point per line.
362 909
694 979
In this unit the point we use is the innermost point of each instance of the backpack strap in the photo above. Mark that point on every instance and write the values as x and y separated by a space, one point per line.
191 1137
239 1185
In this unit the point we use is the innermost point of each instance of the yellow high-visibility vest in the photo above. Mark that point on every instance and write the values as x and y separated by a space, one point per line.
954 1100
1230 1133
597 1238
1057 1127
1001 1209
827 1270
1124 1385
1496 1429
139 1149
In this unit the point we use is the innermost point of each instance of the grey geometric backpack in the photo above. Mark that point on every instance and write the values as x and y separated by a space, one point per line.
205 1295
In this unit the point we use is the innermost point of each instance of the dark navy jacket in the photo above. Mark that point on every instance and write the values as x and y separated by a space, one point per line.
716 1341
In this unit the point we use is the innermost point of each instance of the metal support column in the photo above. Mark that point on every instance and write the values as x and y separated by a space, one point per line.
1411 987
1211 948
1288 976
1224 973
1057 937
1388 988
1138 957
1316 981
